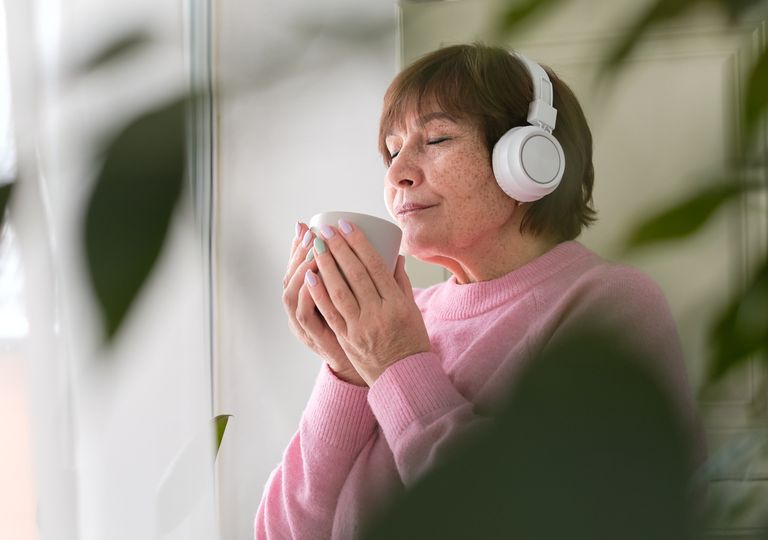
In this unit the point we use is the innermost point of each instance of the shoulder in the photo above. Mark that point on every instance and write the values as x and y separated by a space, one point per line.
592 276
596 289
621 283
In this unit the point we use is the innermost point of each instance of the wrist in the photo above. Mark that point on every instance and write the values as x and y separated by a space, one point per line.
348 376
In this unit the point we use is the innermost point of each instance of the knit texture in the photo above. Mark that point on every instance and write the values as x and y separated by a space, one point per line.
357 447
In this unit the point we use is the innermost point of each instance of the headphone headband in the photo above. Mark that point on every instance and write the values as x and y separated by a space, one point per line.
541 111
528 161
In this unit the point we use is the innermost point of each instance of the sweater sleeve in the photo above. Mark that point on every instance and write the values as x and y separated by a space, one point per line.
420 413
299 500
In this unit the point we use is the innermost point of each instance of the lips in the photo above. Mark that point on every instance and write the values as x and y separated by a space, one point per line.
411 207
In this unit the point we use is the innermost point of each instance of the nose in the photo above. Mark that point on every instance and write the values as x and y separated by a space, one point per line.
406 169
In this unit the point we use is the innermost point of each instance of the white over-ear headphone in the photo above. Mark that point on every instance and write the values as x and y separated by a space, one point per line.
528 161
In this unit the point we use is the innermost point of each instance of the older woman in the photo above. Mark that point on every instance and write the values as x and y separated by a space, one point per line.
408 371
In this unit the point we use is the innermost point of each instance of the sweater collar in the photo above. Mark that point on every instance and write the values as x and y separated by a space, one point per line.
452 300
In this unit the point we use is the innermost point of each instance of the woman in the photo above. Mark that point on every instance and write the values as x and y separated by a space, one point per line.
408 371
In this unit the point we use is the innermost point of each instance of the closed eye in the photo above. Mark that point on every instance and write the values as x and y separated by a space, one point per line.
437 140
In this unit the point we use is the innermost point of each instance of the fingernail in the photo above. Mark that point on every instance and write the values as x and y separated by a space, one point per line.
310 278
298 228
319 245
345 227
306 239
326 231
310 256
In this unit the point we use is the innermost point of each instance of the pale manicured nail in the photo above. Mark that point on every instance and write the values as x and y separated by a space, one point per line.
345 227
306 239
298 228
326 231
319 245
310 278
310 256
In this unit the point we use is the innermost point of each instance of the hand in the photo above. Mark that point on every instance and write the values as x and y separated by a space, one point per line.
372 313
305 320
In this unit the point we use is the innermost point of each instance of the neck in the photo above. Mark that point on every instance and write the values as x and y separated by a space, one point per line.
491 258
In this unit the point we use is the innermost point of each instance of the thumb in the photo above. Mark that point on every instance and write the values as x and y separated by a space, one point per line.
401 277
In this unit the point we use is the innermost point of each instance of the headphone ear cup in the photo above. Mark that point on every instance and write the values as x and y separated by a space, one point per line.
528 163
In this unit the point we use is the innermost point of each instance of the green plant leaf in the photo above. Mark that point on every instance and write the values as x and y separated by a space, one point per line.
560 446
220 423
738 8
520 12
658 12
5 196
756 98
686 217
116 50
741 331
131 206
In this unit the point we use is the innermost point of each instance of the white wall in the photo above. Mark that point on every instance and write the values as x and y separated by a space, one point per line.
121 437
297 135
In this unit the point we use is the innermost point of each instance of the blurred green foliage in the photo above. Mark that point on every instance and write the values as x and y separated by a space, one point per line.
587 448
756 96
141 180
115 51
5 196
518 13
220 425
739 333
683 218
131 206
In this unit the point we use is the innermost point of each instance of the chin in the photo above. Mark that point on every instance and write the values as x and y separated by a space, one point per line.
416 249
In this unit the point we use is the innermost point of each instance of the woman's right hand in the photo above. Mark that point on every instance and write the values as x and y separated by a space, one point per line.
304 318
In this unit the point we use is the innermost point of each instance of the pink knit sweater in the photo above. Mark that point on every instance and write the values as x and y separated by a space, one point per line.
356 446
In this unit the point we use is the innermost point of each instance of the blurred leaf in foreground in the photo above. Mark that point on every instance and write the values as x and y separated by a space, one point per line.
5 196
742 329
131 206
588 447
116 50
756 99
685 217
518 13
738 8
220 422
658 12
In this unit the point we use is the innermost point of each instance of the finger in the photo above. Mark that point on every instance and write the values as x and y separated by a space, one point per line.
320 295
291 290
299 253
308 317
337 289
350 266
380 274
297 236
402 279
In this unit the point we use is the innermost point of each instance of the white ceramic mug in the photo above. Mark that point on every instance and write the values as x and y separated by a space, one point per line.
383 235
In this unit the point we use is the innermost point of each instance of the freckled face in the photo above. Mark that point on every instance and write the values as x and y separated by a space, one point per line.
443 162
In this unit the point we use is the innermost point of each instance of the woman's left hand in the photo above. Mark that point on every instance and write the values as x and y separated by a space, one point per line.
372 312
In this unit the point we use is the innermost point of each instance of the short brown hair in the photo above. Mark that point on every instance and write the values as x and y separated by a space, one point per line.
491 87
